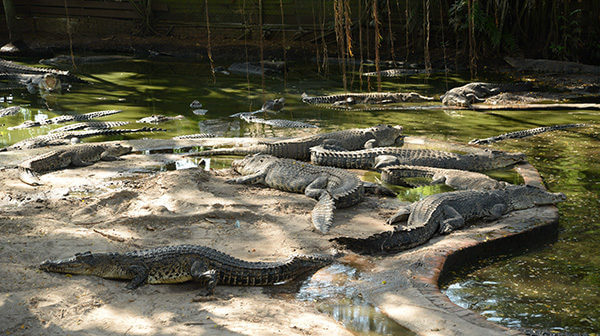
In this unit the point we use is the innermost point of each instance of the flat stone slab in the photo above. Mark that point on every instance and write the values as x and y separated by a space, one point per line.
130 204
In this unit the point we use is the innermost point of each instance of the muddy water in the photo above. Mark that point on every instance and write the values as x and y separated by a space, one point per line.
558 286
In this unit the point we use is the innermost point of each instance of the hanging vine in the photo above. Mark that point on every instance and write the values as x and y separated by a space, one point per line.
360 44
70 35
444 45
315 38
377 44
407 16
208 47
323 41
283 46
339 24
390 31
262 48
426 28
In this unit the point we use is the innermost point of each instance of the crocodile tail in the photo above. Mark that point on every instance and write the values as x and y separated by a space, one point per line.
387 242
322 213
28 176
232 151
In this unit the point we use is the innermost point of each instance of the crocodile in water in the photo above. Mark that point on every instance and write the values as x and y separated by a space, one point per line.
65 138
468 94
12 67
445 212
395 72
89 125
377 158
62 60
158 118
299 148
366 98
47 82
194 136
332 187
524 133
277 122
457 179
8 111
270 106
76 156
65 118
177 264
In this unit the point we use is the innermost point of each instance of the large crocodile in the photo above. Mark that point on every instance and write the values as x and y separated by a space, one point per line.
8 111
182 263
76 156
65 138
47 82
89 125
524 133
377 158
299 148
332 187
366 98
457 179
65 118
12 67
277 122
158 118
445 212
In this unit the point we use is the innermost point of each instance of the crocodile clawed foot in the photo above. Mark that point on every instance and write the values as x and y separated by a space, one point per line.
204 296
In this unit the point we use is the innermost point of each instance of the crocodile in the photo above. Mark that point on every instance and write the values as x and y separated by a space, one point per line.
65 118
277 122
62 60
299 148
333 188
182 263
464 96
89 125
457 179
158 118
445 212
194 136
377 158
12 67
270 106
65 138
395 72
8 111
76 156
524 133
248 68
366 98
33 82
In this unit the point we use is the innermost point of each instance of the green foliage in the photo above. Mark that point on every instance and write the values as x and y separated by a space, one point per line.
569 37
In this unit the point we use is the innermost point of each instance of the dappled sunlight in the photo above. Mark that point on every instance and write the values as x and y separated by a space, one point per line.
113 319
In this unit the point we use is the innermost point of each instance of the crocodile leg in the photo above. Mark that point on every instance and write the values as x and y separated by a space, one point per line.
453 220
140 275
384 161
497 211
200 273
378 189
317 187
401 215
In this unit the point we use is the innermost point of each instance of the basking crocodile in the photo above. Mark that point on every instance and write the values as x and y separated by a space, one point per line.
8 111
299 148
524 133
76 156
12 67
47 82
366 98
182 263
476 92
158 118
377 158
65 118
194 136
332 187
277 122
457 179
65 138
445 212
89 125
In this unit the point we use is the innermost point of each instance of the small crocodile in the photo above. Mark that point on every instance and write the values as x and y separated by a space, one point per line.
194 136
445 212
366 98
182 263
331 187
158 118
76 156
65 118
277 122
89 125
457 179
377 158
395 72
476 92
299 148
524 133
65 138
8 111
270 106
